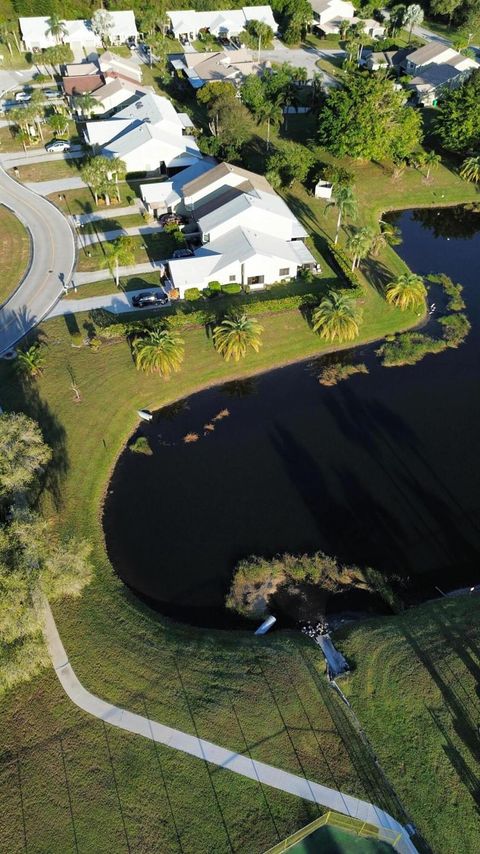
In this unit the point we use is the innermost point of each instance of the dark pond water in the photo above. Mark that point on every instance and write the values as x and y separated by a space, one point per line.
381 470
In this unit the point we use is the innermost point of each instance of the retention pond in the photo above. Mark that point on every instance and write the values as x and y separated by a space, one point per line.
381 470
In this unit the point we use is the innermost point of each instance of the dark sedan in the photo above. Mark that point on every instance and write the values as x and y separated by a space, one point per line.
146 299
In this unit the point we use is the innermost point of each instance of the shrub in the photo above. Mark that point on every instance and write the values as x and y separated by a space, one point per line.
141 446
232 288
95 344
343 267
455 328
77 339
214 287
192 294
114 330
409 348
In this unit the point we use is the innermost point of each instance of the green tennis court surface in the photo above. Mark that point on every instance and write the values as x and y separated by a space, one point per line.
332 840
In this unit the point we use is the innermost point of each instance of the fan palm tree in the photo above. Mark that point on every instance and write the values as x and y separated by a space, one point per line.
235 334
119 253
337 318
161 351
271 113
85 104
407 291
346 204
470 170
56 28
359 245
390 235
31 362
413 16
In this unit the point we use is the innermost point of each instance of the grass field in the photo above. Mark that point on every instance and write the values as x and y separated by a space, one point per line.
415 688
49 170
148 247
14 252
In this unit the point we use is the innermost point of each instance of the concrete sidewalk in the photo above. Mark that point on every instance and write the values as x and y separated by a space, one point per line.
132 231
101 275
60 185
192 745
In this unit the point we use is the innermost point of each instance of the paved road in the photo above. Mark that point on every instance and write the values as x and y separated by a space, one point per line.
53 260
303 57
107 213
184 742
12 79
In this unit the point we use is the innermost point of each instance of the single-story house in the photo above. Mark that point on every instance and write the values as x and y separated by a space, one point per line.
201 68
186 24
156 110
376 60
80 69
242 255
100 132
208 187
247 207
147 148
119 66
329 14
434 80
371 27
438 54
78 34
114 93
82 85
161 197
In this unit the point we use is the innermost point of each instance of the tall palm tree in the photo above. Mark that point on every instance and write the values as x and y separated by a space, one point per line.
389 235
31 361
346 204
161 351
337 318
407 291
359 245
235 334
56 28
396 19
37 106
119 253
85 104
413 16
271 113
470 170
431 161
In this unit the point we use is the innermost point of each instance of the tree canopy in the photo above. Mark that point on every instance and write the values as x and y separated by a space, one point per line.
23 453
458 118
367 119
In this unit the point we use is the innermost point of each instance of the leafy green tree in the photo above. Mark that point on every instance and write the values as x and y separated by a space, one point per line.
290 162
345 202
57 55
367 119
458 118
337 318
119 253
56 28
257 36
161 351
31 361
235 334
58 123
228 119
98 173
470 170
431 160
23 453
389 235
396 19
102 25
407 291
252 92
445 8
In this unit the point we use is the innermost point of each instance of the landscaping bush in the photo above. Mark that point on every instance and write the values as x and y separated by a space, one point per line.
336 372
343 267
77 339
115 330
232 288
192 294
214 287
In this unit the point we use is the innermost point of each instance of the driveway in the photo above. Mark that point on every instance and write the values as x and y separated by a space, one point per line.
303 57
117 303
52 262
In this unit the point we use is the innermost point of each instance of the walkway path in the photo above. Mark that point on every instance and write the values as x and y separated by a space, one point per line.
201 749
52 261
101 275
131 231
59 185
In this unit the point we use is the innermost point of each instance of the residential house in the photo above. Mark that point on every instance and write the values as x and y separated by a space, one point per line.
78 34
329 14
80 69
187 24
371 27
388 59
114 93
82 85
434 80
162 197
113 65
201 68
438 54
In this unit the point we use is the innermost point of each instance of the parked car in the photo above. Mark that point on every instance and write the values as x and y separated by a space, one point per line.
52 93
170 218
58 145
146 299
182 253
23 96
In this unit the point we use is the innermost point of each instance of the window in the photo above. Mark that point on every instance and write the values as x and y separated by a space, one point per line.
231 278
255 280
284 271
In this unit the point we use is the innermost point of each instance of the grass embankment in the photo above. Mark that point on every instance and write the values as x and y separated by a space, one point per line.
49 170
415 690
14 252
221 685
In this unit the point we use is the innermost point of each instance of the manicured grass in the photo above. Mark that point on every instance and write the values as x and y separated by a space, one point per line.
100 226
49 170
10 142
149 247
82 201
14 252
415 690
97 289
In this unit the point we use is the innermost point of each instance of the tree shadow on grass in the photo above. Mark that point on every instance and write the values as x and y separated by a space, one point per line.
376 273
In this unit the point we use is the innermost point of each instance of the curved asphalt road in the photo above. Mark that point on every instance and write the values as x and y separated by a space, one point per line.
52 261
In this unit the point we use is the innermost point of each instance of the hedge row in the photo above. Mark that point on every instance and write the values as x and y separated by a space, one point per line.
342 266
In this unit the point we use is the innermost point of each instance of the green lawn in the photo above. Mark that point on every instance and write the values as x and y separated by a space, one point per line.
97 289
14 252
49 170
82 201
415 689
149 247
100 226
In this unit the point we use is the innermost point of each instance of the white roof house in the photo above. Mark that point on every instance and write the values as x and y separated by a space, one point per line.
228 23
250 209
219 66
167 196
79 33
437 54
111 63
114 93
328 14
149 148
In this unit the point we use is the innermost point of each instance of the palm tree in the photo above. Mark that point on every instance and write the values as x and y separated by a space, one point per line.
337 318
31 361
37 107
413 16
271 113
390 235
431 160
119 253
58 122
396 19
85 104
407 291
161 352
346 204
56 28
235 334
470 170
359 245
